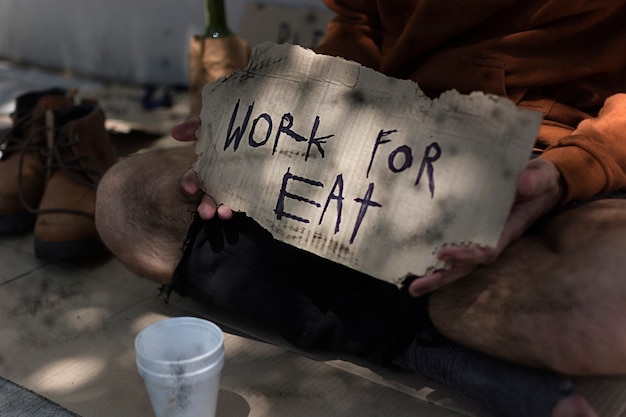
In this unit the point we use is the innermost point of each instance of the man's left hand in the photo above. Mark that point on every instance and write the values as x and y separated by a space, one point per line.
539 191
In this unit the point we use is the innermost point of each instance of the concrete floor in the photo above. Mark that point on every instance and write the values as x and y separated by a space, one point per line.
68 329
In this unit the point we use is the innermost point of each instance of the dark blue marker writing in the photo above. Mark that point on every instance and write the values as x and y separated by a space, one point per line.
235 133
239 131
280 204
379 141
337 195
253 143
285 127
427 162
365 202
407 161
316 141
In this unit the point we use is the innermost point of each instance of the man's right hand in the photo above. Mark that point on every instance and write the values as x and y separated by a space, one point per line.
190 184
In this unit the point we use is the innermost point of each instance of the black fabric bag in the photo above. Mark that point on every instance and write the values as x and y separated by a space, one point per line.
313 303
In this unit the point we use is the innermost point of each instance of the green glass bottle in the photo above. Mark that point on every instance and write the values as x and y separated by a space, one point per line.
214 54
215 18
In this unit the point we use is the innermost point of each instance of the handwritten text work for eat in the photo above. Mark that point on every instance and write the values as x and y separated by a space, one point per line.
264 131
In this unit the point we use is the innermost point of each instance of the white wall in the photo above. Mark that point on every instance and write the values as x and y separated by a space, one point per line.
141 41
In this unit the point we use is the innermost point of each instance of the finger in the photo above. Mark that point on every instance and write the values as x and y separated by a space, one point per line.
224 212
526 182
425 284
472 255
438 279
207 208
574 405
186 131
540 176
190 182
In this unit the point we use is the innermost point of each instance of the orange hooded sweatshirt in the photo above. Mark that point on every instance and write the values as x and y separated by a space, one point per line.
564 58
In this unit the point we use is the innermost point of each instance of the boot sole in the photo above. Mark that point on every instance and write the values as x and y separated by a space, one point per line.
19 222
52 251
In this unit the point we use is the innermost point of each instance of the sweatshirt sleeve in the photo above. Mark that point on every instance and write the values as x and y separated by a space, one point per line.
354 33
592 159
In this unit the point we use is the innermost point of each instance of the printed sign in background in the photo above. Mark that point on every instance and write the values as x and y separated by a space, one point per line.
357 167
263 22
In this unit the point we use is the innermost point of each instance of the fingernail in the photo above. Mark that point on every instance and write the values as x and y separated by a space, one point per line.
415 292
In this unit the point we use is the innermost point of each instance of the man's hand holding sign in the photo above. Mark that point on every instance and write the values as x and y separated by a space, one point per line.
357 167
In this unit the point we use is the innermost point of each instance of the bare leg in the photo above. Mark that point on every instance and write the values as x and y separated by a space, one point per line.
142 214
555 299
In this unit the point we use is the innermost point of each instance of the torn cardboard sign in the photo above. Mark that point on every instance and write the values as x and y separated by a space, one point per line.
358 167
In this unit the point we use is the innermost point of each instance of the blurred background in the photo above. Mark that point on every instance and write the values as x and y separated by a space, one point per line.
128 54
139 41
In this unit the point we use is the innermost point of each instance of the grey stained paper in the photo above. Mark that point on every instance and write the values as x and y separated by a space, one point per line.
360 168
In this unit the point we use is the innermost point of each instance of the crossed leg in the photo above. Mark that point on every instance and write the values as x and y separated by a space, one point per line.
555 298
142 215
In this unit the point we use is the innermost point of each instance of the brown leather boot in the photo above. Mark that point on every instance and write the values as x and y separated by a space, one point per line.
22 177
79 155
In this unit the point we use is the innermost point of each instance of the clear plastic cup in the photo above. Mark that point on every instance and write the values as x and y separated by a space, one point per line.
180 360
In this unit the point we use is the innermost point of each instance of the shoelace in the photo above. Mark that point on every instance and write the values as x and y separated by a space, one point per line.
56 141
11 143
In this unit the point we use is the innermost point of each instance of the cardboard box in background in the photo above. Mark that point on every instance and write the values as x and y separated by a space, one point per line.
261 22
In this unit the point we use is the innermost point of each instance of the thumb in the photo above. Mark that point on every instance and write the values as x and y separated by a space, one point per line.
190 183
186 131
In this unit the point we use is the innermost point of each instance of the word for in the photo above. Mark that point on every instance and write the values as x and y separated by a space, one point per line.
431 154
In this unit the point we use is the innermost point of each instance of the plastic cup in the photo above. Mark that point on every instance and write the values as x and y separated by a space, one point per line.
180 360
